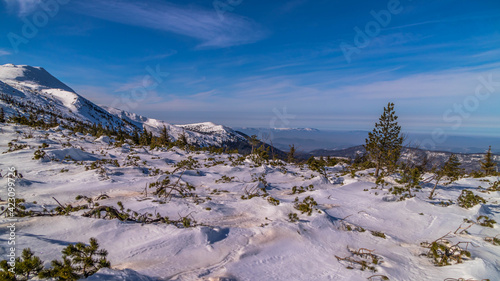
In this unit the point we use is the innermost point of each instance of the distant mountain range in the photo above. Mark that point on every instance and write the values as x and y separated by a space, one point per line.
309 139
470 161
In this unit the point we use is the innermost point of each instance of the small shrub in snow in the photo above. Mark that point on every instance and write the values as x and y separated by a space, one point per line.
237 161
224 179
361 259
79 261
132 160
255 191
410 179
493 240
306 206
15 146
468 199
26 267
451 171
301 189
317 165
154 172
293 217
378 234
485 221
442 252
495 186
218 191
187 164
446 203
167 189
273 201
39 154
260 155
346 226
100 163
261 179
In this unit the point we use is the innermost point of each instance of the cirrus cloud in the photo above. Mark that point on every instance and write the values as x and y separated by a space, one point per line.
195 22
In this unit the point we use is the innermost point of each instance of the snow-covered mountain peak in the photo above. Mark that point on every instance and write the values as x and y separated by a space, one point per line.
206 128
32 77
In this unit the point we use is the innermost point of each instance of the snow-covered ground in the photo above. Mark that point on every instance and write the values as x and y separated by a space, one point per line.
236 239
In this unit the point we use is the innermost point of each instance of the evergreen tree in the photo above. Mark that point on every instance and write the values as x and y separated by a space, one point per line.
291 154
27 266
451 171
164 137
79 261
182 141
135 137
384 143
145 138
254 141
317 165
2 115
488 165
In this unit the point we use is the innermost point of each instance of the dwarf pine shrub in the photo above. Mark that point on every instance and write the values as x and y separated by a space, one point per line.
378 234
293 217
38 154
26 267
301 189
486 221
306 206
273 201
79 261
443 253
468 199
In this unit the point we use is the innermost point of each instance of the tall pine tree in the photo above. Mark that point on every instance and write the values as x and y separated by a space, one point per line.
164 137
2 115
291 154
488 165
384 143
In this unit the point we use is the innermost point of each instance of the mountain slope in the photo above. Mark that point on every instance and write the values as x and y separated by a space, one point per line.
33 91
213 134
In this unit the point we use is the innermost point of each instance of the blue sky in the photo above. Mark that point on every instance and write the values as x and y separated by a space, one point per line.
271 63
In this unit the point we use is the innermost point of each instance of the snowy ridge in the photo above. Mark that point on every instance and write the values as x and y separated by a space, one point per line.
210 134
211 128
39 89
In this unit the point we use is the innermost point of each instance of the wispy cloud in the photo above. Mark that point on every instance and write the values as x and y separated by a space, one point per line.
23 7
4 53
136 83
161 56
190 21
